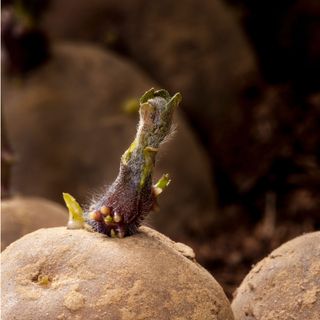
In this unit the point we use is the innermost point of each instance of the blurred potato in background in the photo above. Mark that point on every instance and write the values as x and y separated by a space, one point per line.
68 126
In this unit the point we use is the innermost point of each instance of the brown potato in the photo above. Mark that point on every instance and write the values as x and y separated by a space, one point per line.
22 215
284 285
196 47
75 274
68 128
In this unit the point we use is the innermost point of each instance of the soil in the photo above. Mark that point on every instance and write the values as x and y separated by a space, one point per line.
230 254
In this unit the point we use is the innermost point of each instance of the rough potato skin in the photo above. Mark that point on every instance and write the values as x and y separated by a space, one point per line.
75 274
284 285
22 215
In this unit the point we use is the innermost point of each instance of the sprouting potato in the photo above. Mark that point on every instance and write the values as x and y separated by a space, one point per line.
104 265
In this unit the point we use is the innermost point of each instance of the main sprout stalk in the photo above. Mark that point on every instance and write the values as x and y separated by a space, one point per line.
132 195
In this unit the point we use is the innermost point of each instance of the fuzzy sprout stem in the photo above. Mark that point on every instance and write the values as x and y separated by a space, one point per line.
123 206
132 196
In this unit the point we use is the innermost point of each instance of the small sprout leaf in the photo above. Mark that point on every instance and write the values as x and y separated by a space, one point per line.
175 100
76 220
162 93
147 95
162 184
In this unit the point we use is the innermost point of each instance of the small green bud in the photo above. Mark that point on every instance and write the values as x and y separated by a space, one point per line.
108 219
162 184
76 219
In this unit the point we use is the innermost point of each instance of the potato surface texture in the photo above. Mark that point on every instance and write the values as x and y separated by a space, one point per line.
75 274
284 285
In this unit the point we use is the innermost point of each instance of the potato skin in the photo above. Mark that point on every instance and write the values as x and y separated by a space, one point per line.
284 285
75 274
22 215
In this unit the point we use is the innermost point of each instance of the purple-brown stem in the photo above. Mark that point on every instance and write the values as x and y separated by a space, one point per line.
131 196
